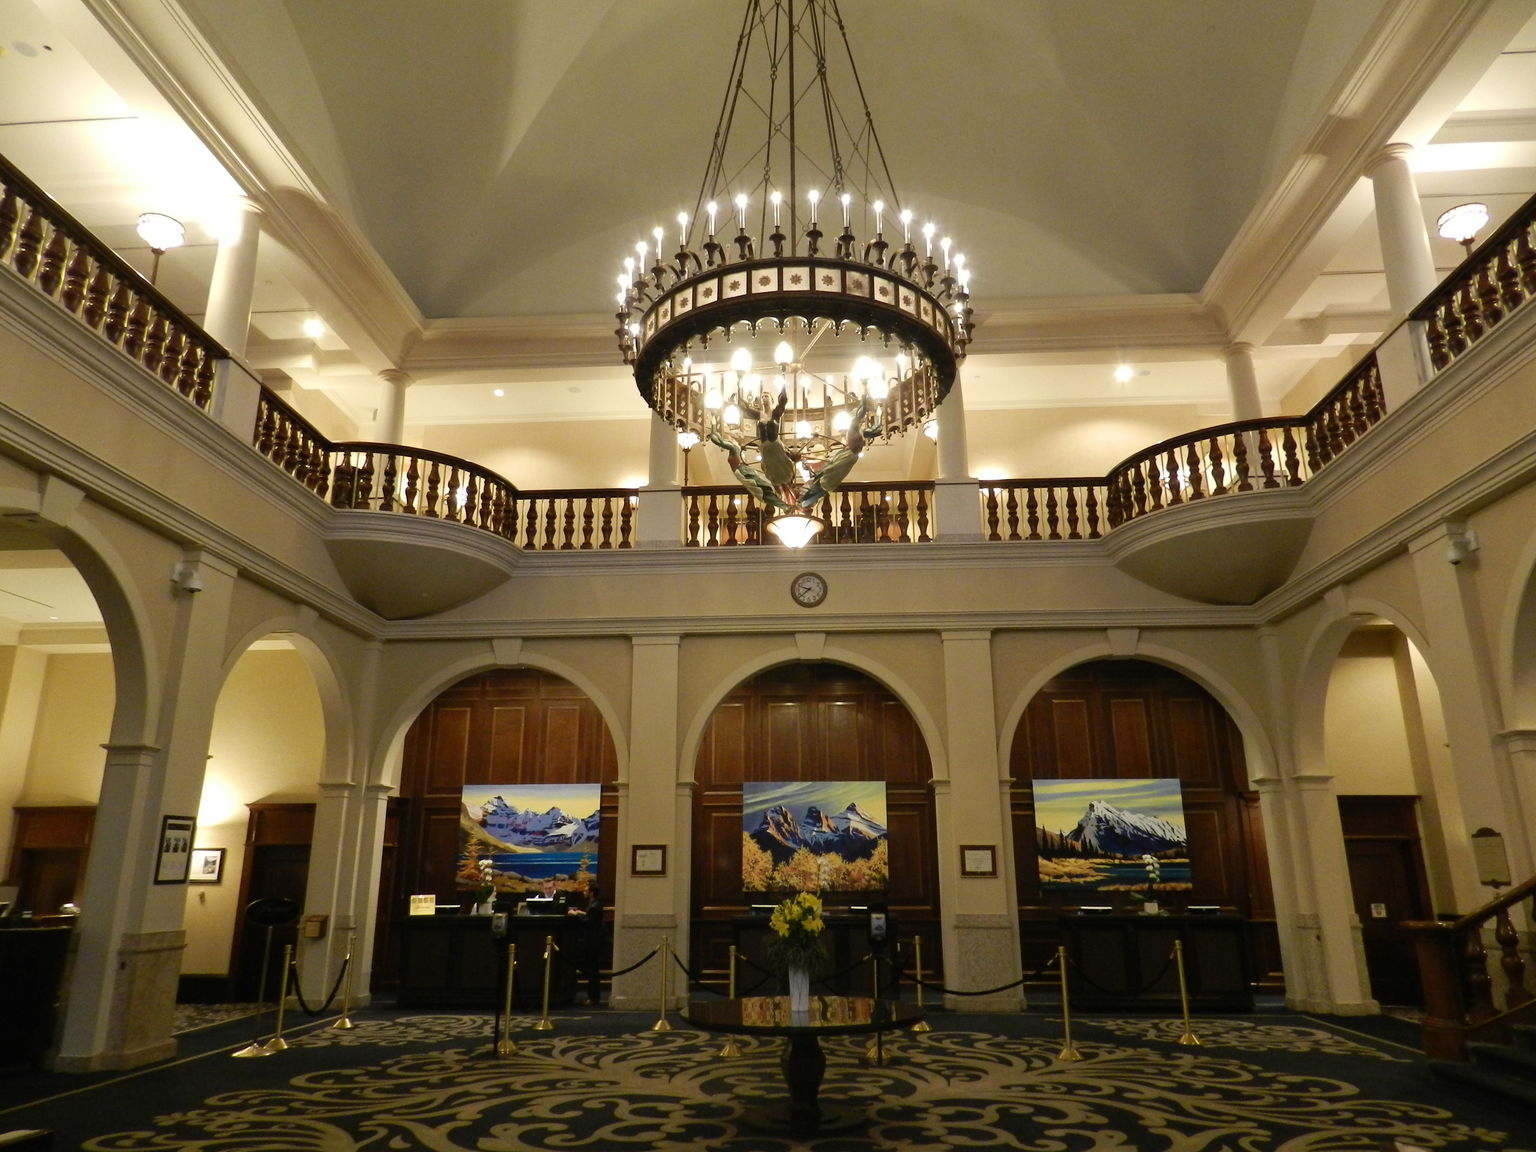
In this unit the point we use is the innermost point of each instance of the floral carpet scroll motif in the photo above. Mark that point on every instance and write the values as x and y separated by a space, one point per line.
945 1090
1247 1036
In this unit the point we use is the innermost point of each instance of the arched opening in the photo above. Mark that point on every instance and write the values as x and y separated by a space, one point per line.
810 722
1121 720
504 729
1384 746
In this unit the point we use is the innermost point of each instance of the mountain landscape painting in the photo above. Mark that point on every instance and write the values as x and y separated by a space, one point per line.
528 833
827 836
1097 836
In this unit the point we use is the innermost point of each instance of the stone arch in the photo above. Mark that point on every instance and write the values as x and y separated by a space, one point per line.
1516 643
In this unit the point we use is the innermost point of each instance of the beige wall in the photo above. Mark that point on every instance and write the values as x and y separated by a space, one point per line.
74 719
1364 738
553 454
1040 442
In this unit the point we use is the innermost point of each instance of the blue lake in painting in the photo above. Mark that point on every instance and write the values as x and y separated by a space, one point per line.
537 866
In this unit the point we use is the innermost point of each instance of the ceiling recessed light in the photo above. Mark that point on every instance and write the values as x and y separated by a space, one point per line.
1124 373
498 392
314 327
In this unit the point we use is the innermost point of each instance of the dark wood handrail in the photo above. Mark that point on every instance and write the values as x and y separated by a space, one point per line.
1459 995
50 249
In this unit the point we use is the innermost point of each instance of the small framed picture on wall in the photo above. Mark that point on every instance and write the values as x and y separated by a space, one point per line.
207 866
978 860
648 860
175 849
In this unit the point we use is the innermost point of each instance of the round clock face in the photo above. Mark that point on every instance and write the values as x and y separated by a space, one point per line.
808 589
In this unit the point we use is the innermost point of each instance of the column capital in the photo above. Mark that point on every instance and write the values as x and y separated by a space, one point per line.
396 376
1238 348
1388 153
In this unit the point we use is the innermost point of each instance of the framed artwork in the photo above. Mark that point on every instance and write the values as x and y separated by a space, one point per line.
514 838
207 866
1095 837
175 849
978 859
648 860
814 836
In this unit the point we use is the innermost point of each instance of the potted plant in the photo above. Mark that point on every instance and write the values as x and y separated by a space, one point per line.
797 944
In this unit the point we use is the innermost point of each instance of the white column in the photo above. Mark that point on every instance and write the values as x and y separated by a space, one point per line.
659 515
228 315
1405 254
1243 382
389 426
653 810
956 499
662 471
981 927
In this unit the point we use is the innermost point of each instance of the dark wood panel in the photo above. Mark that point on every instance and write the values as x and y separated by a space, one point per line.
62 826
1071 744
562 744
1191 744
509 750
1130 731
725 746
449 749
784 751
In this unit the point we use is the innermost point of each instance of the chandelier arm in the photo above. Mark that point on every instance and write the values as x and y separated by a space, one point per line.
733 87
869 120
827 108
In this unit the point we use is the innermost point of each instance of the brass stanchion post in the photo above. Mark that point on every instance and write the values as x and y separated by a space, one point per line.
1187 1037
550 948
504 1046
665 953
345 1019
730 1050
256 1047
875 1053
277 1043
1067 1051
917 951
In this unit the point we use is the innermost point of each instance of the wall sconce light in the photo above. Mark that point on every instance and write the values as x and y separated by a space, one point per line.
161 233
1462 223
687 441
1491 859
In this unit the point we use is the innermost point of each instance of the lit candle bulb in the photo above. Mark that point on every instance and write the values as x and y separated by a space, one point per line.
741 211
776 199
711 208
944 244
732 414
682 229
842 421
814 197
928 238
846 199
712 399
623 283
629 267
803 429
783 354
657 232
879 207
640 251
741 361
906 225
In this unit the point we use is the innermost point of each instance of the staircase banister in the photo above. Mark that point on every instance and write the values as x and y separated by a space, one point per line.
1519 219
371 447
1213 432
1519 892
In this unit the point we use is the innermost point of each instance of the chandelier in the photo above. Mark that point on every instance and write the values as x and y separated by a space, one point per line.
794 345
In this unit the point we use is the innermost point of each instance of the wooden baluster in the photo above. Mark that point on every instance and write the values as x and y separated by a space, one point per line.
266 423
1511 295
344 491
605 528
320 470
903 516
1074 530
202 379
1157 484
184 371
626 522
990 511
29 243
156 337
1267 466
1474 959
922 516
712 521
409 502
97 293
10 212
1196 473
115 326
691 532
586 525
531 526
1031 512
1525 260
1114 500
453 510
135 326
76 275
1488 296
1093 514
1011 510
50 270
732 533
1434 333
1510 961
568 525
170 357
1052 514
1240 461
1472 320
434 490
1455 334
1218 467
551 526
362 491
1371 395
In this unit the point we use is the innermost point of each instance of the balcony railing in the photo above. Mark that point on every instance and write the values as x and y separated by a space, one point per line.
1495 280
51 250
725 517
1246 456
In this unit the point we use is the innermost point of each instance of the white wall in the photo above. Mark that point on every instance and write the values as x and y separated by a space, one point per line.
1364 736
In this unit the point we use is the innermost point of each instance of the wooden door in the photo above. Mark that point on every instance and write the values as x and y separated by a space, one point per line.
276 865
1389 885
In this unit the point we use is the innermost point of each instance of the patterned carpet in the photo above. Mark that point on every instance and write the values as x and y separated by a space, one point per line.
605 1083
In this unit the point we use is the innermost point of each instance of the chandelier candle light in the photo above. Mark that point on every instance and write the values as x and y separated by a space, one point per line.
795 349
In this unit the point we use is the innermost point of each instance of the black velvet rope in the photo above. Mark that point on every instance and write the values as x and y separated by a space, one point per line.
298 992
640 963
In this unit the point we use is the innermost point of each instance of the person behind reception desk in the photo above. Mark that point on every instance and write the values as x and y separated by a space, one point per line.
551 900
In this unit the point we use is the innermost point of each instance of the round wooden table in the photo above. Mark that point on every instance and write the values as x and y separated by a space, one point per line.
803 1061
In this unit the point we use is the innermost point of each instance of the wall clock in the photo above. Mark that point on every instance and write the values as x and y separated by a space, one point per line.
808 589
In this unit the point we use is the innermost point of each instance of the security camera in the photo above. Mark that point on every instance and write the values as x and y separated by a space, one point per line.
1460 546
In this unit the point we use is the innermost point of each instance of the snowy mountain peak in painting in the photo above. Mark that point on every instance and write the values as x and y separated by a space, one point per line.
552 828
850 833
1117 832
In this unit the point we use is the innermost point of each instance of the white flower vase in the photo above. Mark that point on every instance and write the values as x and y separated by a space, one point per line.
485 907
799 989
1149 908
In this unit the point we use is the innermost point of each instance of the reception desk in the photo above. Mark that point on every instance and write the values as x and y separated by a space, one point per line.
1121 962
456 962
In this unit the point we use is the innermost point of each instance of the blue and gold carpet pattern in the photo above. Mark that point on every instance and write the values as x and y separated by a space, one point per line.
606 1083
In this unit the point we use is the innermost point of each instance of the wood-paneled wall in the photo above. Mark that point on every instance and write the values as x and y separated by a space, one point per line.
506 726
810 721
1129 719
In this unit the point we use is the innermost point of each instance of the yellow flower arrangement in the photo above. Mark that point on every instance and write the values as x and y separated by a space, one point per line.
797 925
